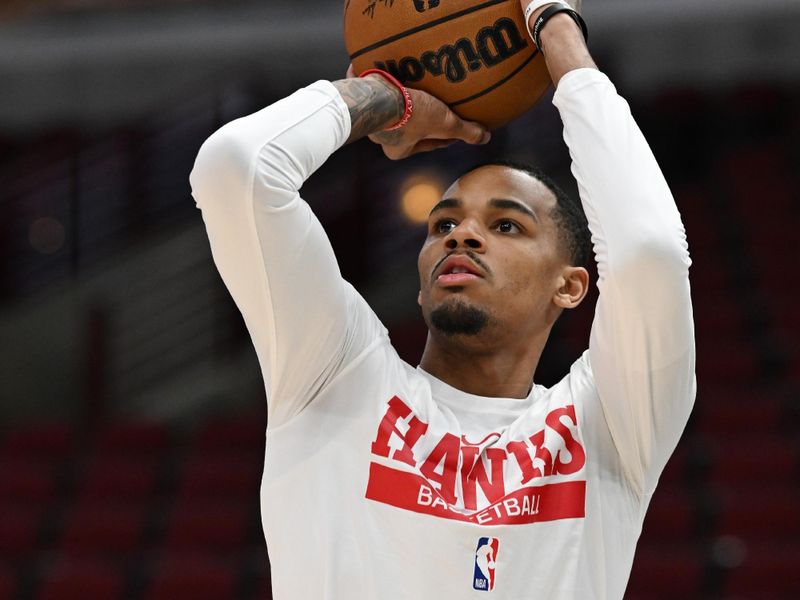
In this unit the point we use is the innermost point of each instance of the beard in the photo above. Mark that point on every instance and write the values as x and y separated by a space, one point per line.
459 318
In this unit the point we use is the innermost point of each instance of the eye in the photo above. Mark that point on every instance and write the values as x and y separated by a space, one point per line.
506 226
444 226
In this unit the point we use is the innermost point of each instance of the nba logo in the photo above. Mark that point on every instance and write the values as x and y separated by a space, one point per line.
485 564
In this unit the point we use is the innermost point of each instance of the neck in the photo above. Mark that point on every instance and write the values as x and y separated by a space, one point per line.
503 370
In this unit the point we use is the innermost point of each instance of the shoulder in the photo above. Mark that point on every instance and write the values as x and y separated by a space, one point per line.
579 384
580 378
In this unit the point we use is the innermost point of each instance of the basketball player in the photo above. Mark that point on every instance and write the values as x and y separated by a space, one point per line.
386 481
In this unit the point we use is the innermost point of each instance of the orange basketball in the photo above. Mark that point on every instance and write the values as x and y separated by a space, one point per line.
474 55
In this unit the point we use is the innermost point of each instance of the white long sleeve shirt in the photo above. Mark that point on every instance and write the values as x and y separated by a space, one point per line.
384 482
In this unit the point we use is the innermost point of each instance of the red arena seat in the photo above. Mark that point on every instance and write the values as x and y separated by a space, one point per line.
756 513
723 413
136 438
27 480
738 361
103 528
119 478
661 571
193 577
40 440
221 476
771 458
245 434
81 579
220 526
20 526
8 582
768 572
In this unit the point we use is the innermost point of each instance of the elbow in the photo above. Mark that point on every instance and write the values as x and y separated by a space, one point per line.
668 254
222 163
652 262
659 247
232 162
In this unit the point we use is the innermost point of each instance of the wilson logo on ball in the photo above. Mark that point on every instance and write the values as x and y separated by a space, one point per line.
492 46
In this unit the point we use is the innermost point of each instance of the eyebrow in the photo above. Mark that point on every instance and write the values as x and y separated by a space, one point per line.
445 204
501 203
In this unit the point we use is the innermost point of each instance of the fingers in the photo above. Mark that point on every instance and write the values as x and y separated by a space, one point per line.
394 153
457 130
399 153
428 145
475 133
466 131
433 119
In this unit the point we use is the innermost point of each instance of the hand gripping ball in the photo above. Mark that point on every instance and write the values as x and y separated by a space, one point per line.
474 55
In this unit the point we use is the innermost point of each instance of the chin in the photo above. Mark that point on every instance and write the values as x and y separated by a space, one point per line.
458 317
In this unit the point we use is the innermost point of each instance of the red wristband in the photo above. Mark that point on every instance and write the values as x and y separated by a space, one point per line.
409 106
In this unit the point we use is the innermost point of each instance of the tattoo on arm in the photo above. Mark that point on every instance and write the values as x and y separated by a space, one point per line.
374 105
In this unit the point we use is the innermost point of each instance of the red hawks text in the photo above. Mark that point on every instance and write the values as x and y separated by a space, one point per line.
551 451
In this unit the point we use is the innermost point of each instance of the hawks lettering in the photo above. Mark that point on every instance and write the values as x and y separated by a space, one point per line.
473 472
412 430
455 471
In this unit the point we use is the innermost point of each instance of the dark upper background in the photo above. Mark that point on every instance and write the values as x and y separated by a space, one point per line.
131 404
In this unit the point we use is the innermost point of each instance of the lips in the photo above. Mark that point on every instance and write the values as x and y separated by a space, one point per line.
457 270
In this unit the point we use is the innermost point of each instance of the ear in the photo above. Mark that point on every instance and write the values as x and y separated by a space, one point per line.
572 288
419 297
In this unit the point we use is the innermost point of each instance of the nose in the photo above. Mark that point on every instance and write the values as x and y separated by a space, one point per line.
465 234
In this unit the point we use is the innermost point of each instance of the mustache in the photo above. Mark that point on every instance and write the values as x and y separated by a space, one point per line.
469 254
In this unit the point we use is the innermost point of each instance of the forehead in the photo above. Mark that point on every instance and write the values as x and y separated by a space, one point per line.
486 183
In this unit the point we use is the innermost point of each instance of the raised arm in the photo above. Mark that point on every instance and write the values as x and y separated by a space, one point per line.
641 349
305 321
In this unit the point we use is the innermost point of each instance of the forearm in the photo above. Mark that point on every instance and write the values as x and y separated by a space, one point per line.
563 46
374 104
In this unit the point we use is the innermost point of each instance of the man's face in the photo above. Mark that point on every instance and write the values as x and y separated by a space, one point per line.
492 261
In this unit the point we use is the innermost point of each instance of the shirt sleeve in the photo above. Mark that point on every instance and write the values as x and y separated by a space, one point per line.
305 321
641 349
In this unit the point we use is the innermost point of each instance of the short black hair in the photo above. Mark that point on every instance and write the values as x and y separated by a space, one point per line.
568 213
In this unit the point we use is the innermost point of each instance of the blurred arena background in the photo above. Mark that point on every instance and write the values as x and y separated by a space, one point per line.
131 403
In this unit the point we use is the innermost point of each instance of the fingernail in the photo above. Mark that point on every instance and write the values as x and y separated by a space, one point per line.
487 136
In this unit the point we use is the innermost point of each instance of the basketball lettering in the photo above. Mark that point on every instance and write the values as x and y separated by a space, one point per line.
505 46
420 5
493 45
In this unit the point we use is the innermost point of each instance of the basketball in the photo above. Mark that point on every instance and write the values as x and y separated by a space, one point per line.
474 55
